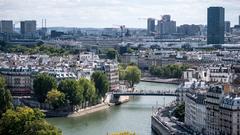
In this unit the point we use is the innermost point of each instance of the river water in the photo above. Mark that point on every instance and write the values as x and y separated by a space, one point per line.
133 116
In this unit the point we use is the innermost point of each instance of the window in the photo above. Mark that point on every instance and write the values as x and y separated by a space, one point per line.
17 81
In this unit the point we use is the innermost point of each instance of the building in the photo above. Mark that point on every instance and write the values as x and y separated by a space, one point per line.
220 73
28 28
18 80
166 25
111 69
195 111
215 22
239 20
213 99
227 26
88 56
6 26
56 34
150 26
61 75
230 115
189 30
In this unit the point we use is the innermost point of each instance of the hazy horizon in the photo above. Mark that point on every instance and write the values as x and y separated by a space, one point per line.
109 13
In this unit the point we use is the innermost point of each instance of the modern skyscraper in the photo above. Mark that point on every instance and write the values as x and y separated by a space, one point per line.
166 25
227 26
28 28
150 26
215 22
6 26
239 20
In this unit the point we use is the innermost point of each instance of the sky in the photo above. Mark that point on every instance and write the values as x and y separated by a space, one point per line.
110 13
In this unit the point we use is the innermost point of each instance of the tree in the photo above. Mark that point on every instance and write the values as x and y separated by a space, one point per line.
111 53
89 91
72 90
169 71
6 97
101 83
55 98
5 100
42 84
40 127
179 112
133 75
26 121
2 82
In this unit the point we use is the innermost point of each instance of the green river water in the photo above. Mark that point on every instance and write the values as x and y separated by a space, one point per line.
133 116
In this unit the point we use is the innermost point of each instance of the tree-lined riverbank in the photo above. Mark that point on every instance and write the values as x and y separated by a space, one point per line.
133 116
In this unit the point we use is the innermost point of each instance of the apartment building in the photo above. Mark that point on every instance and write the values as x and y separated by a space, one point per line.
229 123
111 69
195 111
213 100
19 80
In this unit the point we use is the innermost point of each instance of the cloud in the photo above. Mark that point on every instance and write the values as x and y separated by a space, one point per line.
105 13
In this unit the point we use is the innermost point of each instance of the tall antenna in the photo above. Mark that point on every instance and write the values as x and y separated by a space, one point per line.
45 23
42 23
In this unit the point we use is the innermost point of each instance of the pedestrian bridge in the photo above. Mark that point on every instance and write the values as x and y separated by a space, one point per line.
145 93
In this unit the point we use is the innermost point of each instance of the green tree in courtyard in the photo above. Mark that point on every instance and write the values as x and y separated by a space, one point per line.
72 90
42 84
133 75
101 83
179 112
111 53
89 91
55 98
26 121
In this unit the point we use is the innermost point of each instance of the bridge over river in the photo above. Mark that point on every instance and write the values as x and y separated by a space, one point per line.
145 93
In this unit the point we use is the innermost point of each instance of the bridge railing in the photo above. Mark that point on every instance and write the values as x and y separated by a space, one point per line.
145 92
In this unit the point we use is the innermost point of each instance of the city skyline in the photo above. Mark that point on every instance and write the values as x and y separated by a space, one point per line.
103 13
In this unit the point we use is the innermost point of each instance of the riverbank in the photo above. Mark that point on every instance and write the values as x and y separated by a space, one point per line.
163 123
133 116
78 113
159 80
88 110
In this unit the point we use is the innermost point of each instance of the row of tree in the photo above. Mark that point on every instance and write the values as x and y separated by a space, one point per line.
169 71
70 92
34 49
21 120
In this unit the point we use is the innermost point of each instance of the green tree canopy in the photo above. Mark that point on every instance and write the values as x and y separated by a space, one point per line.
26 121
42 84
101 83
40 127
89 91
179 112
5 100
169 71
72 90
111 53
55 98
2 82
133 75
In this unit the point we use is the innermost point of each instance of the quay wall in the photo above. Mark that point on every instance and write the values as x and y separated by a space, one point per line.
158 127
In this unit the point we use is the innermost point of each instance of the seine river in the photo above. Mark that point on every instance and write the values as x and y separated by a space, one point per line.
133 116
